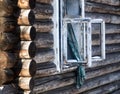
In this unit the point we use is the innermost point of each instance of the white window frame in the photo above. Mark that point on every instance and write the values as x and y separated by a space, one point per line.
86 37
102 39
59 35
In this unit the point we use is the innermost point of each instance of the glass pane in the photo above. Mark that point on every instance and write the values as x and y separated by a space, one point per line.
75 44
72 8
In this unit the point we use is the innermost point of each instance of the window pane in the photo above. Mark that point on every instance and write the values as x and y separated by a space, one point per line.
72 8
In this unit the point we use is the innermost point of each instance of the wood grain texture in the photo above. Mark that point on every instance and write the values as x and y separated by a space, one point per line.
7 60
6 76
108 2
8 41
7 24
44 26
26 83
44 55
27 49
27 33
25 68
8 8
26 4
26 17
44 40
43 11
44 1
93 7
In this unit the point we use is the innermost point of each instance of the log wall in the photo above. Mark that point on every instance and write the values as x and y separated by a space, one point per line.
103 77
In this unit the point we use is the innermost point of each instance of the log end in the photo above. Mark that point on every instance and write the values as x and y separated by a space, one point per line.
32 68
26 17
31 18
27 49
32 3
26 33
33 33
26 83
32 49
25 68
28 4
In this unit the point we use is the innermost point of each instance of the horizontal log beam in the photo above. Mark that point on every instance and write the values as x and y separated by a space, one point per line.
110 59
26 17
107 89
93 7
27 49
27 33
108 31
6 76
8 89
7 24
52 71
94 83
44 55
44 1
108 18
53 85
108 2
109 49
7 60
96 72
26 83
8 41
25 68
26 4
46 65
44 40
43 11
90 84
7 7
43 26
108 42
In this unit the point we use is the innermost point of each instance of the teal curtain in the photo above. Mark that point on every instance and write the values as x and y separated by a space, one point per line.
73 44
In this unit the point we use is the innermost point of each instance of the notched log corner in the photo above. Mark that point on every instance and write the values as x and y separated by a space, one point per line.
27 49
26 4
27 33
26 17
26 83
25 68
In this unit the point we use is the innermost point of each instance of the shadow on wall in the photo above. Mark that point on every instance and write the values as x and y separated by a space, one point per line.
8 89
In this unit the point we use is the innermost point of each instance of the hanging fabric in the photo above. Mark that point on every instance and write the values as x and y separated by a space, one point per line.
73 44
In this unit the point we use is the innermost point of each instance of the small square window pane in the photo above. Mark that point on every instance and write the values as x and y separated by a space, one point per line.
72 8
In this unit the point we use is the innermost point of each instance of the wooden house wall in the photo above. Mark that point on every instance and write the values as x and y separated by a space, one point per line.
103 77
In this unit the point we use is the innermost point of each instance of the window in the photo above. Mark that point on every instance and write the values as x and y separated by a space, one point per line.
101 39
73 35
